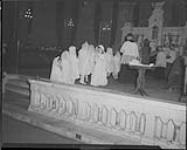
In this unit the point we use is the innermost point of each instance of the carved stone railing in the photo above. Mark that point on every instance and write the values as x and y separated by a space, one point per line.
148 121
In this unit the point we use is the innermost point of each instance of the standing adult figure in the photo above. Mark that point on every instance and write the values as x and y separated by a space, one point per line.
171 56
145 51
129 49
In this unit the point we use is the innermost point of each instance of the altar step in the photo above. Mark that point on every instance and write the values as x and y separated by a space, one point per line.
18 83
15 106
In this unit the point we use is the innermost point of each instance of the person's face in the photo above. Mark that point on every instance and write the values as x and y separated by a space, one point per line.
129 38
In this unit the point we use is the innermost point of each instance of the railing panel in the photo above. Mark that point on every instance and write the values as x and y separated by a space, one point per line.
151 121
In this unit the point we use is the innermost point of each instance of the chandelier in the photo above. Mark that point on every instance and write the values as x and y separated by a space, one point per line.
28 14
107 26
69 23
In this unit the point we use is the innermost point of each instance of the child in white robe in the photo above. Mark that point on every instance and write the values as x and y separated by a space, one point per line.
56 70
117 65
83 62
109 61
66 68
99 76
73 64
91 62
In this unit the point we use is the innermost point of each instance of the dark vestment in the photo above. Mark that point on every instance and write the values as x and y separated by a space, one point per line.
176 75
145 54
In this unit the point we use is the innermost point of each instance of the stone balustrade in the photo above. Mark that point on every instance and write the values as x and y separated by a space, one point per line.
148 121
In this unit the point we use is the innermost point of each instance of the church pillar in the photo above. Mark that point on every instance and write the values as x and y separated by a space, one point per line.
125 16
115 12
75 17
59 22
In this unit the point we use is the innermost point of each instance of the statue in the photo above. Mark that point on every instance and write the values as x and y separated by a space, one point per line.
156 21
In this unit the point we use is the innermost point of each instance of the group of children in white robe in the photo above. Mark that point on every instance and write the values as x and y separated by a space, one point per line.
69 67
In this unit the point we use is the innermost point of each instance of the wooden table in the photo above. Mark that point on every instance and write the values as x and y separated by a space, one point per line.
140 86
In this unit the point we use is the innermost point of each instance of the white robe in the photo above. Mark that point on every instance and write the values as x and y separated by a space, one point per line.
99 76
109 61
83 60
56 70
74 65
116 65
66 68
92 60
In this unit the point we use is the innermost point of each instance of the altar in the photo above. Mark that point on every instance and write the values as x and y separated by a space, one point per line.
156 32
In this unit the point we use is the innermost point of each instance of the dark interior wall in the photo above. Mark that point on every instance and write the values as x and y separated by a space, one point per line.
175 12
44 23
85 30
126 10
9 34
8 20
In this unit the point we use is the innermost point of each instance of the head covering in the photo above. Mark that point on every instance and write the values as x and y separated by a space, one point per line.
129 37
146 42
85 45
109 51
101 46
65 55
91 47
72 50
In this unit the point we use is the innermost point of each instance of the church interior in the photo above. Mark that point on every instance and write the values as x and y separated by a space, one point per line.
123 100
